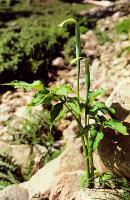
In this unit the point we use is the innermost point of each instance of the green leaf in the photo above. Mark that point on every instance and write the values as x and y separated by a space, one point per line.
57 112
76 59
39 97
71 20
27 86
116 125
102 107
63 90
97 139
49 97
73 104
94 94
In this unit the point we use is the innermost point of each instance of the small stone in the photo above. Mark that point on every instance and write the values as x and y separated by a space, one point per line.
59 62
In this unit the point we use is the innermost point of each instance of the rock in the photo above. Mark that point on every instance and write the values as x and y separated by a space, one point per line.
67 186
14 192
99 194
59 62
114 149
98 3
120 101
60 176
52 174
90 47
30 154
69 134
18 152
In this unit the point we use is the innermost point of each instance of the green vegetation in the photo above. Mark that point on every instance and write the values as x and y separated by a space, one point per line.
106 180
30 39
36 130
30 51
33 130
10 173
102 37
91 134
123 26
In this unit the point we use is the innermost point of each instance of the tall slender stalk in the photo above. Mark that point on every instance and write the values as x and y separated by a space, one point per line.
87 85
78 56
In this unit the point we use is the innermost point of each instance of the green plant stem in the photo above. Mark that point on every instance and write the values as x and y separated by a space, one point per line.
91 170
78 54
87 85
86 137
87 79
87 173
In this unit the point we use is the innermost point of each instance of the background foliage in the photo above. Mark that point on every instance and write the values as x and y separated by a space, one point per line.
30 39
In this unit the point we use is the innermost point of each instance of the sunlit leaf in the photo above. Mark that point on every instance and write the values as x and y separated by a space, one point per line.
73 103
39 97
97 139
102 107
116 125
27 86
63 90
71 20
76 59
94 94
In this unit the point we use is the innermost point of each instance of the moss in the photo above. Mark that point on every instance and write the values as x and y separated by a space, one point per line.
123 26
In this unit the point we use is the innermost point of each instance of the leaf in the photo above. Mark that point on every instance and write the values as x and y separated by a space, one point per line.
71 20
102 107
73 103
57 112
63 90
97 139
49 97
105 177
27 86
116 125
94 94
76 59
39 98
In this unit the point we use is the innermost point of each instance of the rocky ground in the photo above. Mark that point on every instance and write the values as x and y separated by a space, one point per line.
109 67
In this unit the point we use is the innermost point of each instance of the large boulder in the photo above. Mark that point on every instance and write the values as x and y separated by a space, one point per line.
50 176
114 149
60 178
65 187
